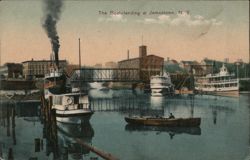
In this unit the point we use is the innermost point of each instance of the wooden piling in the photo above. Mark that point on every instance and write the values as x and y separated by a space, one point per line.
8 120
41 144
13 114
50 107
10 154
1 151
104 155
65 153
42 108
49 116
53 127
54 132
37 144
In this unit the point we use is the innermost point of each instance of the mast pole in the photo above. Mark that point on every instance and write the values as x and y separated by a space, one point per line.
79 53
80 65
0 53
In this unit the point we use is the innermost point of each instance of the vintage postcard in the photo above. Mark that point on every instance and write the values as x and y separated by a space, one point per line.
125 79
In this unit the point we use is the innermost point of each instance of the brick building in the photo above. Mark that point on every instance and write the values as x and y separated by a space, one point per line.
149 65
11 70
39 68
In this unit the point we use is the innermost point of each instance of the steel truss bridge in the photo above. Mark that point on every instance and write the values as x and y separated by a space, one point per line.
105 75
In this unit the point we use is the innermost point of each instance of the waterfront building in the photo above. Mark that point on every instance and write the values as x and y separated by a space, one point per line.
172 66
239 62
11 70
170 62
39 68
187 65
149 65
98 65
208 65
111 64
197 69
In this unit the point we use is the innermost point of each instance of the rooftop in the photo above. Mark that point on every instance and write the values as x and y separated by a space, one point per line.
42 61
151 55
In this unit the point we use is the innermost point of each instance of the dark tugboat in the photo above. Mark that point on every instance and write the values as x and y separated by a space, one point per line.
71 107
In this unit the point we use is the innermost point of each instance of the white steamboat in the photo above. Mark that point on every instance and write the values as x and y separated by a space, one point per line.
71 107
161 85
222 82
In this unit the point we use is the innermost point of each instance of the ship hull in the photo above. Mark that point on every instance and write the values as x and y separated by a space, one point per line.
222 93
74 117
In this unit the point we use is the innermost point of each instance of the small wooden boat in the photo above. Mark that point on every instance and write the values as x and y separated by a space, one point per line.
161 121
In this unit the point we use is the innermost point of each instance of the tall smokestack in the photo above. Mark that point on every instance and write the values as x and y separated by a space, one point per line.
52 14
142 51
80 53
128 54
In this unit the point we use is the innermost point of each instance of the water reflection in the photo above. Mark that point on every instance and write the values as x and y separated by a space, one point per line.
109 93
172 131
60 139
66 138
24 136
157 101
180 106
8 119
126 105
57 140
220 109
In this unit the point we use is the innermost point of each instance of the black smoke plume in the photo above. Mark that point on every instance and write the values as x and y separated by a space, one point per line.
52 15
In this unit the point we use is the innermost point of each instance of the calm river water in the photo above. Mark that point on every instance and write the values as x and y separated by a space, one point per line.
223 134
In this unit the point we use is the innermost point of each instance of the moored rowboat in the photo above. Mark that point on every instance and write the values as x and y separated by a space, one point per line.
160 121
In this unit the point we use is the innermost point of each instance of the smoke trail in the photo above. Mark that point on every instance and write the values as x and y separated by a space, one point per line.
52 15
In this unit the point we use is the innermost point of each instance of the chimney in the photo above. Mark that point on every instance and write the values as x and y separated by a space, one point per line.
142 51
226 60
56 59
128 54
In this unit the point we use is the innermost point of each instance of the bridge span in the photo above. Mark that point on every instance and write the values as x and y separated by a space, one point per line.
106 75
